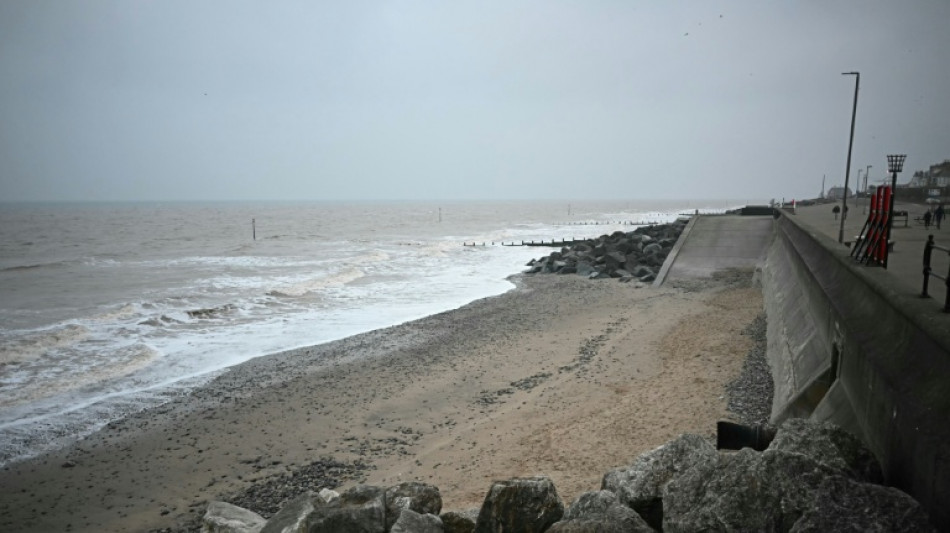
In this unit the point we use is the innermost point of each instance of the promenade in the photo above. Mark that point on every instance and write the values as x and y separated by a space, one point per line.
905 263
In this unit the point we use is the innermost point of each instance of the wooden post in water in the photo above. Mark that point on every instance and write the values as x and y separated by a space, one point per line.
254 229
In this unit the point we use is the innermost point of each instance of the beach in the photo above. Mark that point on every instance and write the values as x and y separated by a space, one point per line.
562 376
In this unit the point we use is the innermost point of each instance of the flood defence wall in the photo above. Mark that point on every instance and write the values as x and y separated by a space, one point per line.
847 346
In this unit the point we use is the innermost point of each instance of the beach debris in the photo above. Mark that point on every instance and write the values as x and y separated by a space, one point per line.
531 382
530 505
268 496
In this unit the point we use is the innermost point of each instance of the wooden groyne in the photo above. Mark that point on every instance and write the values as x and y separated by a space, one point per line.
552 242
609 223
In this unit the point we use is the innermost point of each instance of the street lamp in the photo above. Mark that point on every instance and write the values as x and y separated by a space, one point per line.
867 197
847 171
895 164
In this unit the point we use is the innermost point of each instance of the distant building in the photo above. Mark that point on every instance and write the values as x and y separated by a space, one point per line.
836 193
940 175
937 176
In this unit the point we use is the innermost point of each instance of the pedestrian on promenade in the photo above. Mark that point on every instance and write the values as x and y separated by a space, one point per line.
927 220
836 209
938 215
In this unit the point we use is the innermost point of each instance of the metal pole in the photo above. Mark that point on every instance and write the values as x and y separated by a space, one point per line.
867 199
890 218
847 171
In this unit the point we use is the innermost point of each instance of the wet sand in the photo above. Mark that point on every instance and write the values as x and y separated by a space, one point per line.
564 376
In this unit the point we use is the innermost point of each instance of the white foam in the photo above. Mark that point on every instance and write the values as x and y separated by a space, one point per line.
30 346
314 284
92 366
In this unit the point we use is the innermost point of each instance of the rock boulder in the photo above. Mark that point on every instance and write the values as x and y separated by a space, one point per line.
419 497
222 517
600 512
361 509
526 505
829 445
640 485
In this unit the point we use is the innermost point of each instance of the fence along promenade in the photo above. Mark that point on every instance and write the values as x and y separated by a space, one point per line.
928 271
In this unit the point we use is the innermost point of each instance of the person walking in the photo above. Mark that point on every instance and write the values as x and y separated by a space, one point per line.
927 219
938 215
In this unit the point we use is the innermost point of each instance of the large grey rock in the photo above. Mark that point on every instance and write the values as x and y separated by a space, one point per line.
620 273
222 517
412 522
640 485
419 497
781 491
361 509
584 268
600 512
625 245
526 505
642 270
829 445
843 504
459 521
292 517
747 491
652 248
614 260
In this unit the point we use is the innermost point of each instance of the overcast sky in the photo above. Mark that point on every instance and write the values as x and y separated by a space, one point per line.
429 100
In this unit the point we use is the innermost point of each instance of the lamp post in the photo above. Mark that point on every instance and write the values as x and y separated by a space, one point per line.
867 198
847 170
895 164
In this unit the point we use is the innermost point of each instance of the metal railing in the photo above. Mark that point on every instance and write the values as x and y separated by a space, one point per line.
928 252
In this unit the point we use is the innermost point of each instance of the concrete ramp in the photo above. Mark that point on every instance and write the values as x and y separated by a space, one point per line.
712 243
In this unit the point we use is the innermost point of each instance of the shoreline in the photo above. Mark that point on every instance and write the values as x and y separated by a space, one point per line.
562 375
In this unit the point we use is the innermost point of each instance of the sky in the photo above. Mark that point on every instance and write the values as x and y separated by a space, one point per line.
466 100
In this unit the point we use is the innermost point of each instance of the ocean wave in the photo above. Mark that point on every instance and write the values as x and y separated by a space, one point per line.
120 312
47 382
160 321
99 261
33 345
312 285
211 312
34 266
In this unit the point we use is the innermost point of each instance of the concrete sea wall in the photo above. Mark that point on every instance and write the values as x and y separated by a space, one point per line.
847 347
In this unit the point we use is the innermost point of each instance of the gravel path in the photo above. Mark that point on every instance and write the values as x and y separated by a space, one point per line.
750 394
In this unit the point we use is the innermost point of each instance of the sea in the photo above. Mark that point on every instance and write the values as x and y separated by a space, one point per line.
108 309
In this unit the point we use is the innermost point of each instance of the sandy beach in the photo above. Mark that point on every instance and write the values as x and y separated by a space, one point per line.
563 376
